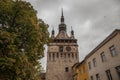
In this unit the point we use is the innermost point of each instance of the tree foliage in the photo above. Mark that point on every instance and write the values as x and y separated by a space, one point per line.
22 40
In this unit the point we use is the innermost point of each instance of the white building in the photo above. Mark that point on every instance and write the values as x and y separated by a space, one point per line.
104 61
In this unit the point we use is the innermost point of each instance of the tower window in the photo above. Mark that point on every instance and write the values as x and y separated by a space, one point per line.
53 56
61 54
66 69
49 56
57 55
72 55
65 55
76 55
61 48
68 55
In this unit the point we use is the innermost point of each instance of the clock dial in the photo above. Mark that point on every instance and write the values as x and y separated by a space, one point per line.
68 48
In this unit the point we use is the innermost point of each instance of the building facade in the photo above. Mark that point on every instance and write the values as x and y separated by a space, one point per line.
75 71
62 54
80 71
104 61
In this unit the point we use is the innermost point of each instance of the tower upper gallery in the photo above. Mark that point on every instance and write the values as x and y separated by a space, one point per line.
62 30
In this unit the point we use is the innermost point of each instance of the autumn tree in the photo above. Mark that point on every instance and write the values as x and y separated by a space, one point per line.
22 40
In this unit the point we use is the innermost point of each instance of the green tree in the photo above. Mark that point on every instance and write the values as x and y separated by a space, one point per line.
22 40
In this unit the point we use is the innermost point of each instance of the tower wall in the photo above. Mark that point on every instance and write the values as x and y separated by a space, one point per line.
59 64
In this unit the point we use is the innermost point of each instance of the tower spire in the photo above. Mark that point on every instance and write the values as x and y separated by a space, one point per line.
62 25
62 12
53 33
62 16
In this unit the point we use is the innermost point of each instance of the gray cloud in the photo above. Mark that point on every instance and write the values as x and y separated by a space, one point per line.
92 20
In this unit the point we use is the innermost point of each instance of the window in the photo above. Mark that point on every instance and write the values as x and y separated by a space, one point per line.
97 77
72 55
61 54
65 55
83 69
91 77
108 75
68 55
94 62
76 55
66 69
118 70
113 51
89 65
80 72
53 56
57 55
103 58
61 48
49 56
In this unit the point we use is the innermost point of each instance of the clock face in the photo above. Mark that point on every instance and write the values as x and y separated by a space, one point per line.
68 48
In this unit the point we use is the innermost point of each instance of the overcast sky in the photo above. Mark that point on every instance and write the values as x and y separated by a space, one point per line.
92 20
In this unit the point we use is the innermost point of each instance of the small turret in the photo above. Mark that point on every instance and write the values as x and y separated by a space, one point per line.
62 25
53 33
72 33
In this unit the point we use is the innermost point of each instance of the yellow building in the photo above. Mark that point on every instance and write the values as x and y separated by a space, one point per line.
75 73
80 71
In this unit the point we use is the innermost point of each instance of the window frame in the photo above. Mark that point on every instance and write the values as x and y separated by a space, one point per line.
103 57
113 51
118 71
109 76
94 62
91 78
89 65
97 77
66 69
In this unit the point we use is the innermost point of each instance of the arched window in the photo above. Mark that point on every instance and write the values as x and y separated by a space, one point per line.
72 55
76 55
53 56
66 69
68 55
61 54
57 55
65 55
49 56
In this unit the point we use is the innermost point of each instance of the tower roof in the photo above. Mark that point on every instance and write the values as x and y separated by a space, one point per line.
62 28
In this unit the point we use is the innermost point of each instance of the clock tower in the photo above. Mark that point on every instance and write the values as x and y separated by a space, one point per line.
62 54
